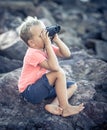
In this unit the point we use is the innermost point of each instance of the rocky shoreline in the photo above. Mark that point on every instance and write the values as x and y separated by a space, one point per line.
83 29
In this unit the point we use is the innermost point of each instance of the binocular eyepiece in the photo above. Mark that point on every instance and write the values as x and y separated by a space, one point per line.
53 30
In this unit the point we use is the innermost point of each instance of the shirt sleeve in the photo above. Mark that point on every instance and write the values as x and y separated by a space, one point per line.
36 59
55 48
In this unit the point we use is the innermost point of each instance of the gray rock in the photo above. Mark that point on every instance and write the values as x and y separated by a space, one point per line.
16 51
42 12
84 66
18 113
101 49
80 22
7 65
12 46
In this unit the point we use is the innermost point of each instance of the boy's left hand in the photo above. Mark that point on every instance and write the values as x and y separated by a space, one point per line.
55 38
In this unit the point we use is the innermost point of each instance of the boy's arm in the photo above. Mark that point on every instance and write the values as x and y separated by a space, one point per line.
63 49
51 63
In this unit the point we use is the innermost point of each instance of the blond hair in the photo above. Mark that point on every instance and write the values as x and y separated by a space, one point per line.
25 32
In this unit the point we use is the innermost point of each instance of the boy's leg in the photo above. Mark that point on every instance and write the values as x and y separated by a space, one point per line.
58 78
70 92
54 106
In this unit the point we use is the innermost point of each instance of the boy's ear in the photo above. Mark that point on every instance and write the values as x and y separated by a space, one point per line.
30 42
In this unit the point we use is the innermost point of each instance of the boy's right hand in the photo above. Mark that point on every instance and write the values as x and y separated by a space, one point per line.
45 37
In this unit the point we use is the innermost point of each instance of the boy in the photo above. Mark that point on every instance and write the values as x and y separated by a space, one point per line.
41 75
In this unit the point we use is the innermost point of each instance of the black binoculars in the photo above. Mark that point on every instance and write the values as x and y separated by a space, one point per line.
53 30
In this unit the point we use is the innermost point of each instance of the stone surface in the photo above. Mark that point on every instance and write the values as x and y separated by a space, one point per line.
18 113
83 29
7 65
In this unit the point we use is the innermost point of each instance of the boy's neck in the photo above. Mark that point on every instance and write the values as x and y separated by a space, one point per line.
41 49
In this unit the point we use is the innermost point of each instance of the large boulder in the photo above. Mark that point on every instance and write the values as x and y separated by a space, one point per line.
101 49
18 114
7 65
12 51
11 46
82 21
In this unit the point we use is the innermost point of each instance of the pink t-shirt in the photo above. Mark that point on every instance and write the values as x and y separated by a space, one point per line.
31 70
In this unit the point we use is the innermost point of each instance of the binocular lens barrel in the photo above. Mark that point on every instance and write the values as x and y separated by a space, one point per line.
53 30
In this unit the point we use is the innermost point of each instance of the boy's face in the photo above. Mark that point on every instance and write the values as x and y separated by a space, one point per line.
36 41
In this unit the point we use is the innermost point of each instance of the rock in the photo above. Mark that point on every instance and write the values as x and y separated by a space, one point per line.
90 44
84 66
24 115
12 47
63 2
71 40
10 22
42 12
17 5
5 41
46 22
101 49
81 22
17 51
104 33
98 109
7 65
99 46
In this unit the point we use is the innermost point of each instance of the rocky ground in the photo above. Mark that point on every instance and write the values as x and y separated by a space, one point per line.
83 29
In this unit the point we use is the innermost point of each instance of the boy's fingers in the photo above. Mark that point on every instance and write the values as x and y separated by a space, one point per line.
47 33
44 33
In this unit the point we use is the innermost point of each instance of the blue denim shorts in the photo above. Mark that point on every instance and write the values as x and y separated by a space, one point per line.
41 90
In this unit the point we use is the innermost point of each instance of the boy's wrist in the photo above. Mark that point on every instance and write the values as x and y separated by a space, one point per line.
48 45
58 41
56 38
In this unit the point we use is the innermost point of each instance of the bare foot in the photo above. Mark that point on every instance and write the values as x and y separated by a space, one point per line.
54 109
72 110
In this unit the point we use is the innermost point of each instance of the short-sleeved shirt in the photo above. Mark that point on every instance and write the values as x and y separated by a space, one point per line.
31 70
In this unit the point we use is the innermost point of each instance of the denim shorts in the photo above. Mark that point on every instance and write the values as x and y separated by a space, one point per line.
41 90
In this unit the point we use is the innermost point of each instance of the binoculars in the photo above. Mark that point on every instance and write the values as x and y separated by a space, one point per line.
53 30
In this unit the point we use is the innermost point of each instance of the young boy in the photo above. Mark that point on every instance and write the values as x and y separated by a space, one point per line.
41 75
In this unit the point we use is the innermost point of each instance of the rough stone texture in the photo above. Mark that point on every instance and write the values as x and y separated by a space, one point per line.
19 114
11 46
83 29
7 65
